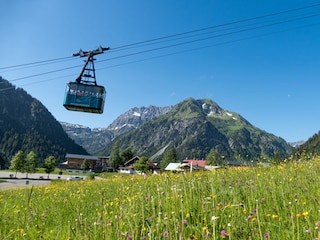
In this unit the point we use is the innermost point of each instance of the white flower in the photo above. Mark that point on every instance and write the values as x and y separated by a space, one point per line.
213 218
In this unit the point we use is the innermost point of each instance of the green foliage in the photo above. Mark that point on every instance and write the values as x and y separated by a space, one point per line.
170 156
31 163
17 162
142 164
311 147
85 165
212 158
277 202
126 155
276 158
50 164
115 159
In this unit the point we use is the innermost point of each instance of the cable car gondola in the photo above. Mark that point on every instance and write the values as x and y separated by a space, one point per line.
84 95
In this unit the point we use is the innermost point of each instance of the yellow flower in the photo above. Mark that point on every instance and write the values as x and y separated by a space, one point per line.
305 214
205 229
187 215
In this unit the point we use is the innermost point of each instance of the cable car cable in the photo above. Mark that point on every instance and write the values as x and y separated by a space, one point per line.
158 48
220 25
178 34
38 62
170 46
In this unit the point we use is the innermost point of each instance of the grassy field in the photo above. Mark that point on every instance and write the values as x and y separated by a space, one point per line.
278 202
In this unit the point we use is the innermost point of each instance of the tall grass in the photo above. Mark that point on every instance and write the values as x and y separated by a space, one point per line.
279 202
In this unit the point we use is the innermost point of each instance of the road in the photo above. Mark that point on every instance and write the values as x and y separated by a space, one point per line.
33 180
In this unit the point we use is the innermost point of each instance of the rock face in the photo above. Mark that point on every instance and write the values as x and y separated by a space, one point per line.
94 140
134 118
194 127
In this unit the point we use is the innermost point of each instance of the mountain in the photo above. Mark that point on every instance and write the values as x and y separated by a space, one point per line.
311 146
134 118
94 140
25 124
194 127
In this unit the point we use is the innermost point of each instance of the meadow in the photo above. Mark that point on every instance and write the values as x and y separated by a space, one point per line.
276 202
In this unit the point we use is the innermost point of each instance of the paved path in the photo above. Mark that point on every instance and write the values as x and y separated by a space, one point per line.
33 179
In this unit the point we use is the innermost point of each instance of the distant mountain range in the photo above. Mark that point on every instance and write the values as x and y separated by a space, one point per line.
95 140
193 128
25 124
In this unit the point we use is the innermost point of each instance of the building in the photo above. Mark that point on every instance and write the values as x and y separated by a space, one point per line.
190 165
128 167
74 163
195 162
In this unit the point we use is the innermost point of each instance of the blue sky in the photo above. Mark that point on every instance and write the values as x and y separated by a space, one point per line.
264 67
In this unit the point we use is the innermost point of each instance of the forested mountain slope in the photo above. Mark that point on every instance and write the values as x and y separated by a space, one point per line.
25 124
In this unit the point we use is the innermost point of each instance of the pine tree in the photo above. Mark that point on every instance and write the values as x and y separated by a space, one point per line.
115 159
170 156
212 158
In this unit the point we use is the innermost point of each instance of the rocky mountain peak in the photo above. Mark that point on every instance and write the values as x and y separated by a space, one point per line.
135 117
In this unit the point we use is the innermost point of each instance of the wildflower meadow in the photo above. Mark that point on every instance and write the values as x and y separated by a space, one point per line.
275 202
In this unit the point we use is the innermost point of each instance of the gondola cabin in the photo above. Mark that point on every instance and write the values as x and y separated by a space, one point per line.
84 98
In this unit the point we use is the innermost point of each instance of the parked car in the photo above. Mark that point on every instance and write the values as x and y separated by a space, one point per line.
74 178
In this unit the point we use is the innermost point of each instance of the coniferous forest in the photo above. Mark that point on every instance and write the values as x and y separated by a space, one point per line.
26 125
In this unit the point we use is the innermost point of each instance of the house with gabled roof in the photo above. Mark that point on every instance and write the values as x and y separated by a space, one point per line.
74 162
190 165
128 167
195 162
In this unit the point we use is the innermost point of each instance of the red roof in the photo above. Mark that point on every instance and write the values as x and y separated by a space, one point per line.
200 163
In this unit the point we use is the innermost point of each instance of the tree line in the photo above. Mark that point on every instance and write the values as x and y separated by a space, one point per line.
29 163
